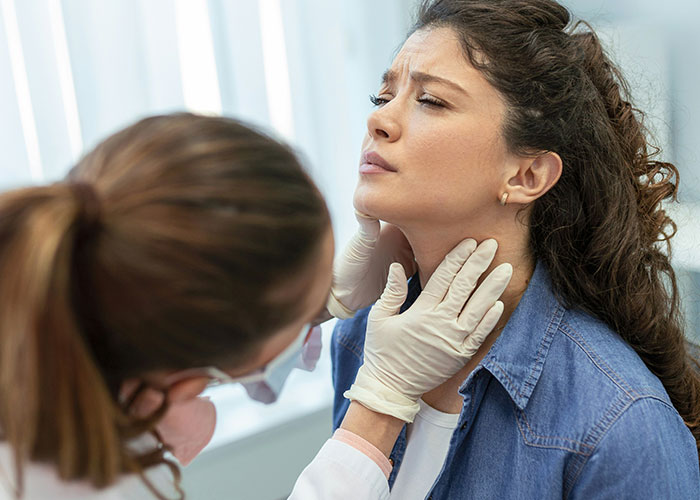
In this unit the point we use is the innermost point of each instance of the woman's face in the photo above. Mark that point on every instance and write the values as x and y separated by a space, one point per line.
437 128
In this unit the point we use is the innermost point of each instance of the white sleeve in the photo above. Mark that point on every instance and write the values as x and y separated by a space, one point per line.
341 472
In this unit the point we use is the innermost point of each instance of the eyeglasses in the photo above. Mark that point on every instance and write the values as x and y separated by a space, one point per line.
219 377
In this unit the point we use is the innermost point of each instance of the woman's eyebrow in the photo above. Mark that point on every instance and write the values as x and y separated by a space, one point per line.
390 77
421 77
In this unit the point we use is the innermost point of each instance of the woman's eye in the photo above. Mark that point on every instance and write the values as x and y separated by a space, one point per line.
431 101
377 101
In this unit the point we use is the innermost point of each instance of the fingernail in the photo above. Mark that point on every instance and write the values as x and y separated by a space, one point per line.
490 244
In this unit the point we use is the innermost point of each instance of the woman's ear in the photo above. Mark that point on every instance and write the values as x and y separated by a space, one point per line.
533 178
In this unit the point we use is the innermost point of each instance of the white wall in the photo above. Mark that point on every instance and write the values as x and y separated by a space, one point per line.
667 31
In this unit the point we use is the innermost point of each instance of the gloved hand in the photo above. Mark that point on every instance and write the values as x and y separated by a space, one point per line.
360 272
409 354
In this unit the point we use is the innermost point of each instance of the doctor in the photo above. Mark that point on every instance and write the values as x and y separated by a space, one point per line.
188 250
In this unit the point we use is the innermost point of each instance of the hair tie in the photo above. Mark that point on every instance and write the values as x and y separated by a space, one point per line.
89 205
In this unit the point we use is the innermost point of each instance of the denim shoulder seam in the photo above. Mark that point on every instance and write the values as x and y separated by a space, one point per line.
599 431
604 368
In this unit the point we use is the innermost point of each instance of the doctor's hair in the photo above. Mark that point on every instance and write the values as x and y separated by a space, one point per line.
160 250
601 231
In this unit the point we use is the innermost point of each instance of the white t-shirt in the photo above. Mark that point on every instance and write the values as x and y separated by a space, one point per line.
428 441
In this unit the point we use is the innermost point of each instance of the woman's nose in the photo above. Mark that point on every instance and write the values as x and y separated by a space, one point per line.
382 125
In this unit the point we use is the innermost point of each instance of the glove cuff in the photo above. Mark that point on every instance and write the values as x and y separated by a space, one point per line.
337 309
382 400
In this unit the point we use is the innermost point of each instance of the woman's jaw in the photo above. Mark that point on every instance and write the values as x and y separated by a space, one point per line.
431 243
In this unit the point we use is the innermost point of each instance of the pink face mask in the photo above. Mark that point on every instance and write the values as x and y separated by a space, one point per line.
186 427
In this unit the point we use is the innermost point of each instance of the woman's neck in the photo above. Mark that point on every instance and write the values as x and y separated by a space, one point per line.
431 245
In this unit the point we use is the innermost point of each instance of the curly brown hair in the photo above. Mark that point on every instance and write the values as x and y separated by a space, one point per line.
601 230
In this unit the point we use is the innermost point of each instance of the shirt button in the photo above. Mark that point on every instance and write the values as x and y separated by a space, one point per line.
464 425
391 461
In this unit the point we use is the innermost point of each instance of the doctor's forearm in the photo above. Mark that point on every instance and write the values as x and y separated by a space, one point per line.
378 429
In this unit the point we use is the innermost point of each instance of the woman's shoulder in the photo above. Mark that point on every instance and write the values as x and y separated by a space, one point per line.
594 382
645 452
605 357
597 398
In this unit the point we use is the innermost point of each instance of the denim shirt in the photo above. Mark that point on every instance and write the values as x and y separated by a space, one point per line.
560 407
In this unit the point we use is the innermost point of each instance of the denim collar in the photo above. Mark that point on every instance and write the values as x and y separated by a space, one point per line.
518 355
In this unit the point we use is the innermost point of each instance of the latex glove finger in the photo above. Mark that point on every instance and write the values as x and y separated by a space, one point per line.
485 295
369 228
472 343
394 294
438 284
352 266
465 281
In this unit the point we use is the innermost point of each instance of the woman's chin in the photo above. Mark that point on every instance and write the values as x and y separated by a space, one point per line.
384 205
369 203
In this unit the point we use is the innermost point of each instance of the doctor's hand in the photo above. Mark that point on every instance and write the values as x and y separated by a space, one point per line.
360 272
409 354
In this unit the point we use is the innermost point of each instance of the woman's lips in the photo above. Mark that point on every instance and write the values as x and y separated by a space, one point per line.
370 168
373 163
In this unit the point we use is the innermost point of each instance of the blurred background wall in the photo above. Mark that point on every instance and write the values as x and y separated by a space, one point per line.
73 71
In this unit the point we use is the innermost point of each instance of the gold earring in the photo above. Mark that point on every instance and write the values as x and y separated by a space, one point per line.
504 199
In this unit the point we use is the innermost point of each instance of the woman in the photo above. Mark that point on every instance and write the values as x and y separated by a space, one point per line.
186 249
499 119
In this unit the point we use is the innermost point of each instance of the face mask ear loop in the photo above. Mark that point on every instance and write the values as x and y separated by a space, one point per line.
128 401
137 425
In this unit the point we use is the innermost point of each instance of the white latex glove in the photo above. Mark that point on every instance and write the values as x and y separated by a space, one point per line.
360 272
409 354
